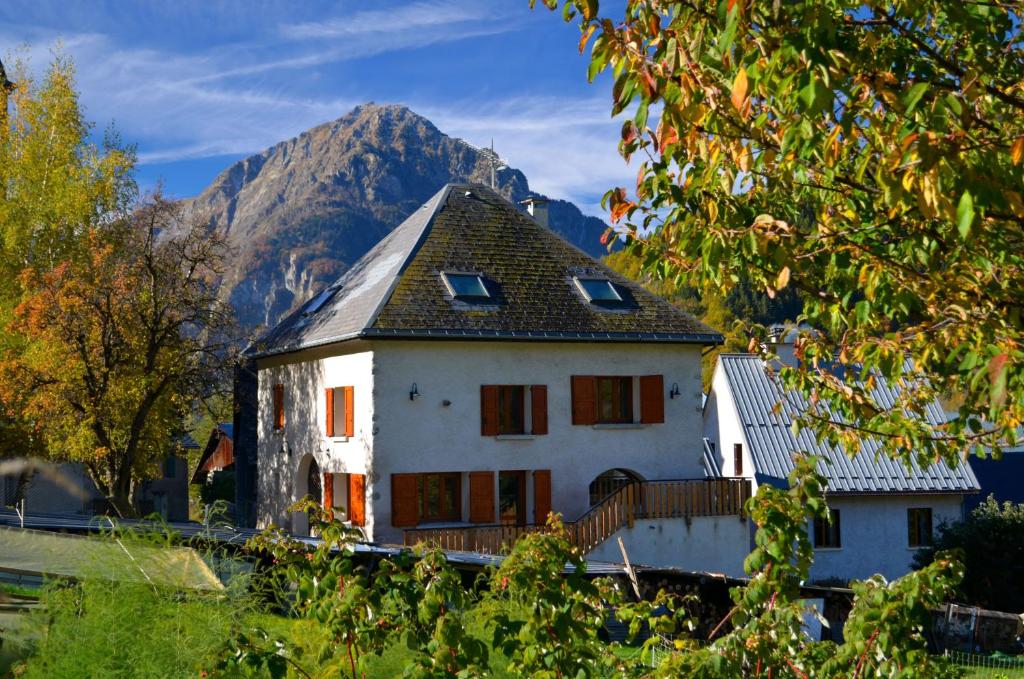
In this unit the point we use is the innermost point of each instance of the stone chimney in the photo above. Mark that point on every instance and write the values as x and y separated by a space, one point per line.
538 209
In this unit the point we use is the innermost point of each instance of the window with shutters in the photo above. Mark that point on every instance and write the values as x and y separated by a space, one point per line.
278 407
614 400
440 496
919 527
340 415
826 531
513 409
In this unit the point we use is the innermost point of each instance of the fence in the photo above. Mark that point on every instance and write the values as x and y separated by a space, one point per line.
642 500
995 666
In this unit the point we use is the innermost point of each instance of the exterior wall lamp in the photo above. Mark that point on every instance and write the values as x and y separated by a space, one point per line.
414 393
674 391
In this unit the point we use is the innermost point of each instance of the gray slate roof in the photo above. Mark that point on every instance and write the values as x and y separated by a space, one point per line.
396 289
755 392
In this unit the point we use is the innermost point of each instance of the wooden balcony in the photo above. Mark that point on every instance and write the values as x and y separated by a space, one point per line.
683 499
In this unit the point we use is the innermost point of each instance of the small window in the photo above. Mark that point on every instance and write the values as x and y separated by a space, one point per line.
338 412
614 399
465 285
440 496
919 527
511 407
737 459
598 289
826 531
278 407
319 301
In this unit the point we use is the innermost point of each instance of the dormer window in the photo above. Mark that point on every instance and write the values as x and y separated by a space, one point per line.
465 285
597 289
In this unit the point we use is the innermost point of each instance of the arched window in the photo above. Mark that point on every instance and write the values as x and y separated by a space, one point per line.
610 481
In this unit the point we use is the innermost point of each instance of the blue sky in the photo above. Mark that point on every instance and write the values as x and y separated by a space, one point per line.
199 84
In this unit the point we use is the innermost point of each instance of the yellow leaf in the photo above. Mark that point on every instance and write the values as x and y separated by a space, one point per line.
739 89
783 279
1017 151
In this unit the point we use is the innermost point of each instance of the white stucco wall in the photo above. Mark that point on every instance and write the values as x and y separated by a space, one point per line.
424 435
722 426
715 544
873 533
284 455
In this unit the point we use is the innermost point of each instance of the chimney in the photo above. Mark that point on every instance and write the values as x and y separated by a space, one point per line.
538 209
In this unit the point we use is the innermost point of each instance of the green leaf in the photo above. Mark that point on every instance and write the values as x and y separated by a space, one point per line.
913 96
965 214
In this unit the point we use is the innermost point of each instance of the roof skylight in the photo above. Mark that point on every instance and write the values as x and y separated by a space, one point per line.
597 289
465 285
319 301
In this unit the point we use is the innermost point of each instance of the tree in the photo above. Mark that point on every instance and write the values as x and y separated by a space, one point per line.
991 540
55 188
868 155
119 345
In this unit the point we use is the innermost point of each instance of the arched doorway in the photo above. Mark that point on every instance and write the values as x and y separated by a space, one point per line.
606 483
308 482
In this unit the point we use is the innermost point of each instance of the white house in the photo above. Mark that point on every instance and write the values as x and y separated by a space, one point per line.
474 369
882 511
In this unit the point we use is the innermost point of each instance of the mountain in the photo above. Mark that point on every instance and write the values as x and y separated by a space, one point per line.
300 213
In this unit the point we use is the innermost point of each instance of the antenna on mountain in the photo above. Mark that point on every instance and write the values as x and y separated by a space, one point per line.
496 162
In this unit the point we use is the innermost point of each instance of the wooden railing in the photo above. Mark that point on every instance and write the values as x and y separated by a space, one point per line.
643 500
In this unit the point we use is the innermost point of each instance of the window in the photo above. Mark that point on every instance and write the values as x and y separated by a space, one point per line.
319 301
614 399
919 527
826 532
465 285
340 415
511 401
503 409
512 497
440 496
278 407
737 459
597 289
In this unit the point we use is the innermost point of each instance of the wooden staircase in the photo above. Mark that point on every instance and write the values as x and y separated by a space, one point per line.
685 499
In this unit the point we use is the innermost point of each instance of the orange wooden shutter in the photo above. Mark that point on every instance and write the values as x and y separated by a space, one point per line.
541 495
278 406
328 499
652 399
481 497
489 410
357 498
350 416
405 509
584 400
330 412
539 408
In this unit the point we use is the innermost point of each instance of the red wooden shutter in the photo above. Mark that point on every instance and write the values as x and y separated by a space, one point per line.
481 497
330 411
278 406
539 408
328 483
350 416
584 400
541 495
489 410
652 399
405 511
357 498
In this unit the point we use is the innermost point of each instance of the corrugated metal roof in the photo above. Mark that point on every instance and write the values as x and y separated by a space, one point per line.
711 467
772 444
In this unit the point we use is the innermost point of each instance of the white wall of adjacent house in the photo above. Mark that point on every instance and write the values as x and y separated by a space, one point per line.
874 535
284 455
722 426
712 544
440 430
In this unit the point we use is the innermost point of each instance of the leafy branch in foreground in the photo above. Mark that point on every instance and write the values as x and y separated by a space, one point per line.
870 155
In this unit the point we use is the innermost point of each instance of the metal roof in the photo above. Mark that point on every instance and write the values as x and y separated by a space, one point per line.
397 289
772 444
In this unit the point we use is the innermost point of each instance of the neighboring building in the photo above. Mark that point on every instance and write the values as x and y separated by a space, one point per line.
218 455
38 494
883 511
167 494
473 369
1002 478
